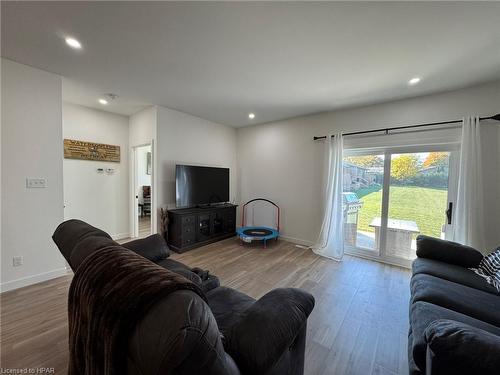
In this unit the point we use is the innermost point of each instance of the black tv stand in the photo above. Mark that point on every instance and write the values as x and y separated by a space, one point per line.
213 205
189 228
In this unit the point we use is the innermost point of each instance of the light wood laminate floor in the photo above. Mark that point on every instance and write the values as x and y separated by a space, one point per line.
144 226
358 326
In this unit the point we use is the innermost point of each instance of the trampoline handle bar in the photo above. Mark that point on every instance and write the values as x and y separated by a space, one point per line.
260 199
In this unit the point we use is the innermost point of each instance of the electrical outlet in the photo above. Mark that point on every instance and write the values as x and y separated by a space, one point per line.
17 261
36 183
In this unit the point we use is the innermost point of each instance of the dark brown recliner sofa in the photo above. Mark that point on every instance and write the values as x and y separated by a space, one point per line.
454 313
181 334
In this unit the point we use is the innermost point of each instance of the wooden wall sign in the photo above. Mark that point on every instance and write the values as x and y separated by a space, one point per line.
91 151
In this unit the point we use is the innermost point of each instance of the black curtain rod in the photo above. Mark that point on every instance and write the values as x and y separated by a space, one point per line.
386 130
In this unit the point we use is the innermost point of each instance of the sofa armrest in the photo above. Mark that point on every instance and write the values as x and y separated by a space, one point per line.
457 348
153 248
448 252
268 328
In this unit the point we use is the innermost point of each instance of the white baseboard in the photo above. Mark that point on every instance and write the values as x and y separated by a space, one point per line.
30 280
399 263
120 236
297 241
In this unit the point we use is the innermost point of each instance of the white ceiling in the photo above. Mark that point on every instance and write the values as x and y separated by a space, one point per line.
220 61
83 94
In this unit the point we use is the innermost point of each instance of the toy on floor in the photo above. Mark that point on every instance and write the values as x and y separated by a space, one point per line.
258 233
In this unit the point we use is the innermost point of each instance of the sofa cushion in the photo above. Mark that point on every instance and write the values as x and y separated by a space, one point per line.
171 264
451 272
457 348
207 283
228 306
463 299
447 251
178 335
152 247
422 314
181 269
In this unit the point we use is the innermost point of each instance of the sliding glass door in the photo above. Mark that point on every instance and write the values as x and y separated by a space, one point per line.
363 178
392 195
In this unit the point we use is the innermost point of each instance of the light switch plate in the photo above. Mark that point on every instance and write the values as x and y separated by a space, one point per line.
17 261
36 183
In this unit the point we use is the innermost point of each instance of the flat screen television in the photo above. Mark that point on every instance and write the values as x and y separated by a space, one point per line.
196 186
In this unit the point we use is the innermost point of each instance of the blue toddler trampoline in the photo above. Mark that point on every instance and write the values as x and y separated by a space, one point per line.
249 234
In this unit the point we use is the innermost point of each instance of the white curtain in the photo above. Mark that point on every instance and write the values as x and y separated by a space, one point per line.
468 222
331 239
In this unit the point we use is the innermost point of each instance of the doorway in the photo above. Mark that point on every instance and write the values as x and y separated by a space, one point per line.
394 194
142 190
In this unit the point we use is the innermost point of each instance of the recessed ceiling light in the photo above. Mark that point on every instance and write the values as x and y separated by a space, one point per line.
251 116
414 81
73 43
103 101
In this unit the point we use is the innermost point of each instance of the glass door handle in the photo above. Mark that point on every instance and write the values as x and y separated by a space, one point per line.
449 212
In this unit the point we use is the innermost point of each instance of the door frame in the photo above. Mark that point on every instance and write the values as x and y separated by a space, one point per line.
134 186
452 148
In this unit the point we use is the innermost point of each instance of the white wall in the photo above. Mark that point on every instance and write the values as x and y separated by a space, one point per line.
31 147
180 138
142 127
280 160
185 139
101 199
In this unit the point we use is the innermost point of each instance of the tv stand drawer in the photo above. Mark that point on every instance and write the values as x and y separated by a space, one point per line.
188 230
188 240
192 227
187 220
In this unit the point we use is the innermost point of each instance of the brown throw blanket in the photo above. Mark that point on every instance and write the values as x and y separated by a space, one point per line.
110 292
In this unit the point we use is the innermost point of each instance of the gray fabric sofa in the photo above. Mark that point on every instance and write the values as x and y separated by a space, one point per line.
454 313
232 334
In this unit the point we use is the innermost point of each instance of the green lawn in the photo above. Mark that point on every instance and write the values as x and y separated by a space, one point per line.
425 206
